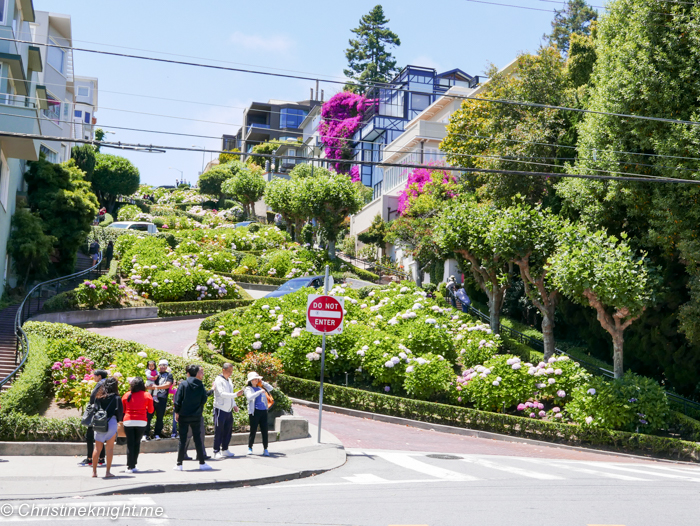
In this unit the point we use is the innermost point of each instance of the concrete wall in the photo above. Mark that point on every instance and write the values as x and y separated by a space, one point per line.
77 317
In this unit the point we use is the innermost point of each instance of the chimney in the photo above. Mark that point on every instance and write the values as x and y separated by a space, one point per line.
316 90
312 93
321 95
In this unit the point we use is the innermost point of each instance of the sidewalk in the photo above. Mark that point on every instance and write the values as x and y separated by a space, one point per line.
54 477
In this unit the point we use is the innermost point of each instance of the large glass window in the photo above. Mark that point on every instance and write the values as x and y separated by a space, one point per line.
54 110
56 56
291 117
3 11
83 91
87 118
419 102
51 156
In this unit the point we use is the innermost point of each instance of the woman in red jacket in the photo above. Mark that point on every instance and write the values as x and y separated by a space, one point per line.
137 404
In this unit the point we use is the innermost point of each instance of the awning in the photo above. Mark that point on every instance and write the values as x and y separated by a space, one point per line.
41 97
16 72
35 59
28 10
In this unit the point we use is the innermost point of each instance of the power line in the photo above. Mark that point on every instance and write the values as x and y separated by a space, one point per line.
151 147
383 86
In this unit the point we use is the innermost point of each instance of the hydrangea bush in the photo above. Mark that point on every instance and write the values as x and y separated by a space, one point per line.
101 292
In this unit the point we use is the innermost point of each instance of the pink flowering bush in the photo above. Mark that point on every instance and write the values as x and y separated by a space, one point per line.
497 385
72 380
431 181
101 292
341 116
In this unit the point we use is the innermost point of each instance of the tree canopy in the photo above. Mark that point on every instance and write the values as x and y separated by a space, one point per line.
85 159
369 58
210 182
246 185
28 246
113 176
574 18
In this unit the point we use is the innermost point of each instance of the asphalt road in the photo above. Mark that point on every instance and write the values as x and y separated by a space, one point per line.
169 336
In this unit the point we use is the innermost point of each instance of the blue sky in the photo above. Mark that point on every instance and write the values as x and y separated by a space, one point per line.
307 37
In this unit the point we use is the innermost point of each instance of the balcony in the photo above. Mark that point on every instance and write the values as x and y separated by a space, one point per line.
256 125
20 116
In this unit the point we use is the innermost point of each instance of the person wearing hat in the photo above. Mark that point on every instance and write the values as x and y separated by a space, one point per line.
160 390
258 401
451 289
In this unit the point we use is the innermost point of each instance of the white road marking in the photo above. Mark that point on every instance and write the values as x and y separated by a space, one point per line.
511 469
588 471
632 470
365 478
679 469
408 462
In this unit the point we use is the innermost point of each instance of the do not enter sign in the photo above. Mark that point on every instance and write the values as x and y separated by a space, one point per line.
324 314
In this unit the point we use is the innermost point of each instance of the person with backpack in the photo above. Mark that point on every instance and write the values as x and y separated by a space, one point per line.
451 289
224 404
109 412
189 405
256 392
137 404
461 295
94 252
99 376
160 390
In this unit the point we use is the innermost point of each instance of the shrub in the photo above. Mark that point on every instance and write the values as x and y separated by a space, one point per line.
72 380
188 308
61 302
428 379
498 385
29 390
264 364
629 403
101 292
129 213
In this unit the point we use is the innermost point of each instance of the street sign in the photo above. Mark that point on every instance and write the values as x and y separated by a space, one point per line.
324 314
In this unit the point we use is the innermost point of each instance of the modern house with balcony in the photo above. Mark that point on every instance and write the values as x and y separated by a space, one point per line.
20 65
266 121
417 144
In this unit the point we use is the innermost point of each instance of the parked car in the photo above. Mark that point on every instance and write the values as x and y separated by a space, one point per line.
143 226
244 223
295 284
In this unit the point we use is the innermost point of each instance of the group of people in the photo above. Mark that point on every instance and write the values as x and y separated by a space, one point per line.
94 252
455 293
133 412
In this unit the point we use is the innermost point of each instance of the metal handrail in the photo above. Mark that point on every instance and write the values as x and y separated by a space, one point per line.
371 265
24 311
539 344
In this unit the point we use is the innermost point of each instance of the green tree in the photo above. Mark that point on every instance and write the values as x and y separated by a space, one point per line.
464 227
529 236
113 176
246 185
575 18
29 246
416 235
282 196
330 199
376 233
66 204
210 182
369 59
99 136
265 148
227 157
84 157
511 137
602 272
301 171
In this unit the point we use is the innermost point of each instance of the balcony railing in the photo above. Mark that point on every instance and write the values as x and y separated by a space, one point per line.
256 125
16 100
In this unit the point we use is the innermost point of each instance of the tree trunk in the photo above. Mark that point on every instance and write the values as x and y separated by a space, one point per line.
494 314
548 334
618 343
331 249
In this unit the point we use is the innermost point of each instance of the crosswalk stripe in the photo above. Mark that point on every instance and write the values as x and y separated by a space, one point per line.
632 470
408 462
365 478
684 471
589 471
511 469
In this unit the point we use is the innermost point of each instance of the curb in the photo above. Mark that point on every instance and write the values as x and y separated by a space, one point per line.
142 320
441 428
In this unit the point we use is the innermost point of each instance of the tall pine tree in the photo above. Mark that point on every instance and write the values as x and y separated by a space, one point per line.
575 17
368 58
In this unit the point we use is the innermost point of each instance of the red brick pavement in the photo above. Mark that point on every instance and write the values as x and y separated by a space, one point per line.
365 433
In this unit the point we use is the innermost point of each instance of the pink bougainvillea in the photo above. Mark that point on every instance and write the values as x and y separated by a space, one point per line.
421 180
341 116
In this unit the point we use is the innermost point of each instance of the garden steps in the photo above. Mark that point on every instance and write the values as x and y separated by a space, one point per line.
8 342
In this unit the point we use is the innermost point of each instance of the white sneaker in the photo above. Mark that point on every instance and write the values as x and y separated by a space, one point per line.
178 467
205 467
228 453
219 456
135 470
144 438
128 471
156 437
250 450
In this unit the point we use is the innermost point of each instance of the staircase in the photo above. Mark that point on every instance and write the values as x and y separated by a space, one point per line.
8 342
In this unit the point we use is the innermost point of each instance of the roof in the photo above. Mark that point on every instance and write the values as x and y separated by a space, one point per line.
456 72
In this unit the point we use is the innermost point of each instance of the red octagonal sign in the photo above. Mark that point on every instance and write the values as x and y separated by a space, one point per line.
324 314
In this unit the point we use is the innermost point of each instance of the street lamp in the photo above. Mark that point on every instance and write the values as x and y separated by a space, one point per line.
203 153
182 174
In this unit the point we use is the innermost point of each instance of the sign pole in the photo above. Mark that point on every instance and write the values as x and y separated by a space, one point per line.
323 363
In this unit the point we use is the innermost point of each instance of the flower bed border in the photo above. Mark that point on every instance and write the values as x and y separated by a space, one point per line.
186 308
256 280
569 434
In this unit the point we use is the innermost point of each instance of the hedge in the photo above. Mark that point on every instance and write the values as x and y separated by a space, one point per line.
570 434
29 391
249 278
212 321
187 308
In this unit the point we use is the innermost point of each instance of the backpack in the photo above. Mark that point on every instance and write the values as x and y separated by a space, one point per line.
100 422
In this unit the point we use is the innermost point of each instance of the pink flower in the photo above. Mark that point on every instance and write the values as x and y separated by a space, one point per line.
459 398
532 415
561 393
104 287
72 377
542 413
555 409
64 380
521 407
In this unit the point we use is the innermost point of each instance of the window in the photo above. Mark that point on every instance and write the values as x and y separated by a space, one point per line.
3 10
291 117
78 113
83 91
64 153
51 156
420 102
87 118
66 110
56 56
54 110
291 152
4 180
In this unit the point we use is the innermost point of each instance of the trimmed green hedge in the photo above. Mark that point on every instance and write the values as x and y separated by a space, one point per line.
259 280
187 308
212 321
29 391
494 422
687 427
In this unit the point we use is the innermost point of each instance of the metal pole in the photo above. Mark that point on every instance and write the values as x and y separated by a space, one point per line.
323 363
